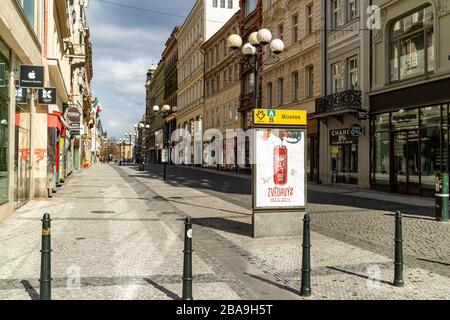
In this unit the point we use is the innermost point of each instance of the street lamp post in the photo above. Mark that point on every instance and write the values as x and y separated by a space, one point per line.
250 49
166 110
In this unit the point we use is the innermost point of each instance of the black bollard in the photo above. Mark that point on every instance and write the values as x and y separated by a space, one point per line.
398 264
187 266
45 287
306 258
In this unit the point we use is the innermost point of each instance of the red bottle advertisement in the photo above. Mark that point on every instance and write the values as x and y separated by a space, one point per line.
280 165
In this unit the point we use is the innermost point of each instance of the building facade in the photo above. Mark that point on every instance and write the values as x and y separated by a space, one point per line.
170 56
222 92
409 100
36 150
204 20
343 126
294 81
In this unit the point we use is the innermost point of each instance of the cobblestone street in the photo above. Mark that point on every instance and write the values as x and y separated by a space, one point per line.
117 234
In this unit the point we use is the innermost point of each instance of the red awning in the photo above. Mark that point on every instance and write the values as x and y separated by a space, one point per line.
54 121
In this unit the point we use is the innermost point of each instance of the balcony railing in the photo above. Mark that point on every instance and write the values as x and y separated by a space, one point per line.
349 99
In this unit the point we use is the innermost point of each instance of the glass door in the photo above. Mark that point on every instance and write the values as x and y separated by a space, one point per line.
406 161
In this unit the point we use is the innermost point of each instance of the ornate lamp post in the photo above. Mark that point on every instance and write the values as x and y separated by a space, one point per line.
166 110
254 48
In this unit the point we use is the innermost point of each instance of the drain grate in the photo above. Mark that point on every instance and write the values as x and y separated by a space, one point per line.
103 212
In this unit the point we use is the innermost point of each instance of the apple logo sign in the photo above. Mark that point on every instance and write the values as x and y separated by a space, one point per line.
32 75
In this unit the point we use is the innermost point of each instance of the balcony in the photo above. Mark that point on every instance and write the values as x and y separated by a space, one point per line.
345 101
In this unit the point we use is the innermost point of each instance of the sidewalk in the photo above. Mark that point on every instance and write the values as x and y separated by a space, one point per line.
107 244
354 192
340 270
117 233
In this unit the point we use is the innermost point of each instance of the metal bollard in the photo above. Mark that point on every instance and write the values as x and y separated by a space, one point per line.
398 264
45 288
187 266
306 258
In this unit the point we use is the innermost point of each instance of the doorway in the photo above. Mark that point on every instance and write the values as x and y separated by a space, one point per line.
406 160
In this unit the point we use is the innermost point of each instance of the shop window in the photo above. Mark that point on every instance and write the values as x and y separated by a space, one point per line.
405 119
412 45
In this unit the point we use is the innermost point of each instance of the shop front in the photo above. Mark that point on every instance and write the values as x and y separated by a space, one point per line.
4 120
343 138
409 144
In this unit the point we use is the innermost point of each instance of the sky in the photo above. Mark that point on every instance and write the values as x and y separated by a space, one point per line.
126 42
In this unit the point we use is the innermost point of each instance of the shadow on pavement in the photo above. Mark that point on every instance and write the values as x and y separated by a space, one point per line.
30 290
359 275
210 181
274 283
222 224
172 295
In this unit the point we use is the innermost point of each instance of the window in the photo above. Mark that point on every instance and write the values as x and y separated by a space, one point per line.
230 4
280 31
309 19
215 3
412 45
295 28
338 17
249 83
250 6
222 3
29 9
353 73
352 10
269 95
310 86
280 91
295 86
337 81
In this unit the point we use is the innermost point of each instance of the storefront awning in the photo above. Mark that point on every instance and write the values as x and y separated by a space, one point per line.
54 121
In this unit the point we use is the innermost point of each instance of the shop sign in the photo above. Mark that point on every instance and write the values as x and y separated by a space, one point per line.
342 136
73 115
21 95
31 76
356 131
280 117
2 75
47 96
280 169
165 155
361 115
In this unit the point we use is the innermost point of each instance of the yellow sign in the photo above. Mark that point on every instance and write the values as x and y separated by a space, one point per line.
280 117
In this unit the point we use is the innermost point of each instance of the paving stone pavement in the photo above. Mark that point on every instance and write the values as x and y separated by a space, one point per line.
117 234
106 244
340 270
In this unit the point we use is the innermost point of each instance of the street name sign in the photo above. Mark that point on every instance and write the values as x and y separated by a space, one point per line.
280 117
31 76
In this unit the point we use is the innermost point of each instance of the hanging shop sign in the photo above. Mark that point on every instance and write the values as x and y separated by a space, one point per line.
279 117
31 76
356 131
73 115
361 115
47 96
21 95
343 136
2 75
